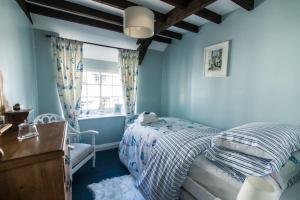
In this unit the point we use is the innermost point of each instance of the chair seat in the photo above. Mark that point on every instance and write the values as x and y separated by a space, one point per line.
80 152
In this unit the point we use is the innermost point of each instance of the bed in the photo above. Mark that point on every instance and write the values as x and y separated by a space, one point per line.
136 145
138 140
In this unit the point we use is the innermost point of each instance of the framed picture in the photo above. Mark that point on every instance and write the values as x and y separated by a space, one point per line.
216 60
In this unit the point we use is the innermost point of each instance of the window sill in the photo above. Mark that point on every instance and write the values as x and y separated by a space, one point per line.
100 116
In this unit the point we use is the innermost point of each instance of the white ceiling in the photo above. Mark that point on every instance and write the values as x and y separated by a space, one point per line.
96 35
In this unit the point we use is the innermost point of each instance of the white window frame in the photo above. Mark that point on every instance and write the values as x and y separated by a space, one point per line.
85 112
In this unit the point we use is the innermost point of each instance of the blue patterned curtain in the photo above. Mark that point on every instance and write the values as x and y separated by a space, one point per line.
68 61
128 62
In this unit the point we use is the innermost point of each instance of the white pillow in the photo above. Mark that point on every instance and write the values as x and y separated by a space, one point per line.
264 140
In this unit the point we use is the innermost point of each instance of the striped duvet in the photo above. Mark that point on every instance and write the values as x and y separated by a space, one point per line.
170 161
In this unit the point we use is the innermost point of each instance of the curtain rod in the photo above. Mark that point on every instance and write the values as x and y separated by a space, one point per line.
95 44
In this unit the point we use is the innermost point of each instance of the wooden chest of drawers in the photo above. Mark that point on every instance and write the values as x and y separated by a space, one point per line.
36 168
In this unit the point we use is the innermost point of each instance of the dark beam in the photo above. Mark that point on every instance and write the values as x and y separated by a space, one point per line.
173 17
86 11
143 49
171 34
246 4
82 20
204 13
22 5
178 3
162 39
81 10
123 4
177 14
187 26
209 15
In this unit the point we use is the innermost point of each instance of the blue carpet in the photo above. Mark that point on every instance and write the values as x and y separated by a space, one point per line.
108 165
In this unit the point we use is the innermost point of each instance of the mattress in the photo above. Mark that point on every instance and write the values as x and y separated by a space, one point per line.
214 179
204 174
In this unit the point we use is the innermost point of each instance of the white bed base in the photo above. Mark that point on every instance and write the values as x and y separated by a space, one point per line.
197 191
192 190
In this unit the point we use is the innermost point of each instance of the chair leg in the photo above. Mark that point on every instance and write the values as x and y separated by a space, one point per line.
94 160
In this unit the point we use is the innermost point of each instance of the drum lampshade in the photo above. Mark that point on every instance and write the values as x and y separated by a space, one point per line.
138 22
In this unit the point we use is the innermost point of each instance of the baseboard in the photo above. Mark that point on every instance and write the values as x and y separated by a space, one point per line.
107 146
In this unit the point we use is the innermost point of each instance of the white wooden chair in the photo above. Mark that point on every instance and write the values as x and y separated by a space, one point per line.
80 153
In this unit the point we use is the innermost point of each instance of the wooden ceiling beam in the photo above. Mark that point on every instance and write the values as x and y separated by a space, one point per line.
78 9
173 17
209 15
246 4
143 49
204 13
177 14
40 10
22 5
178 3
86 11
171 34
123 4
187 26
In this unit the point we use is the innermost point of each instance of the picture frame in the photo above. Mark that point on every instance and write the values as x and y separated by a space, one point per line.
216 60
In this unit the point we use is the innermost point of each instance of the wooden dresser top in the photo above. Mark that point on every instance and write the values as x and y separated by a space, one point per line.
49 144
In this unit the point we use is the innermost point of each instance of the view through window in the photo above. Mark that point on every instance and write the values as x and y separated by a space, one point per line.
101 91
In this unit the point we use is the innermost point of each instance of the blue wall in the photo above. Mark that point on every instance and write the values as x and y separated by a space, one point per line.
46 77
111 128
149 83
263 82
17 62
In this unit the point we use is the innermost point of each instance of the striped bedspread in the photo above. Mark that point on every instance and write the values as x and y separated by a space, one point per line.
170 161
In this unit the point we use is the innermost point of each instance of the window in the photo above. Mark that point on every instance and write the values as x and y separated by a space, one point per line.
101 91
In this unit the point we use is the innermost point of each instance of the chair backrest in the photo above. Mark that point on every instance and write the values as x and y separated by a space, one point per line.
47 118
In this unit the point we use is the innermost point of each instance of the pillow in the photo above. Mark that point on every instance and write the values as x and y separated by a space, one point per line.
264 140
242 163
238 163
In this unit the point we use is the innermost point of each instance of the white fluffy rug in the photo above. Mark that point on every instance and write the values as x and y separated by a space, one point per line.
118 188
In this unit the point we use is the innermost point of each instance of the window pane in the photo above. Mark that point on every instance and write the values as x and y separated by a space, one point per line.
93 90
83 92
84 103
84 77
94 103
101 91
106 78
105 103
106 91
117 91
117 100
116 79
93 77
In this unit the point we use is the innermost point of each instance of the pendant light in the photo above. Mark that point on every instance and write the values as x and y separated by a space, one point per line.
138 22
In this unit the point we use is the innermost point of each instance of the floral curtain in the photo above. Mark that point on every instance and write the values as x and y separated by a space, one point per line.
69 67
128 62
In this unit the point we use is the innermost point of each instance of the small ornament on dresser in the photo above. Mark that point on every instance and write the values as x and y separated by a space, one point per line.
17 107
27 131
